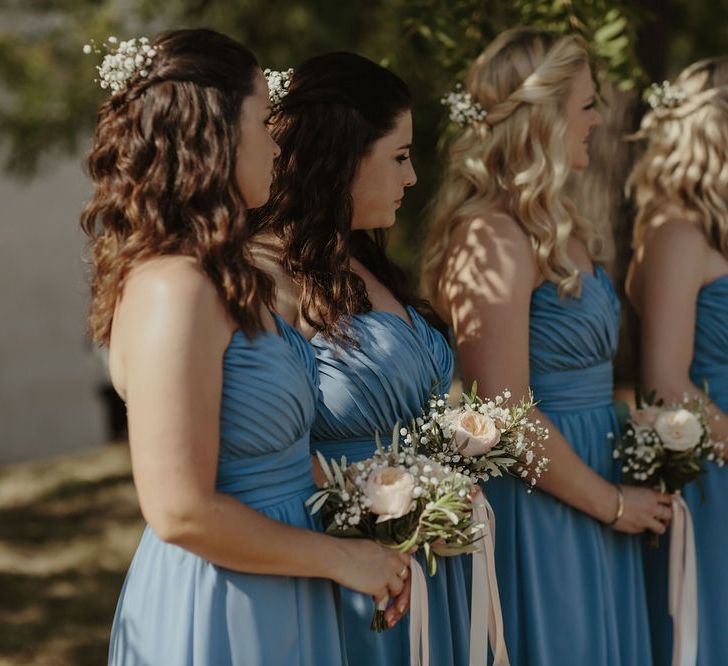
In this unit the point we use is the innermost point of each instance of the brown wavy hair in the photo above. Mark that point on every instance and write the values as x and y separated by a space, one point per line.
163 166
337 106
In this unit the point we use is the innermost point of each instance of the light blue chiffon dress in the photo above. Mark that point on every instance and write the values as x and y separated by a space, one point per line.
710 364
572 590
384 380
178 609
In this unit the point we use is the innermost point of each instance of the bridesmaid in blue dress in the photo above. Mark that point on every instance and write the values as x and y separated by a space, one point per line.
678 282
509 262
220 393
346 121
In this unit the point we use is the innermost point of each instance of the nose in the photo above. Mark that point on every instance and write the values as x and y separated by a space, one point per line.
598 119
410 175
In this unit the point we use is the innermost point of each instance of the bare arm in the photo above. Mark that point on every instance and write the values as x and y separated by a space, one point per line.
488 284
170 333
668 277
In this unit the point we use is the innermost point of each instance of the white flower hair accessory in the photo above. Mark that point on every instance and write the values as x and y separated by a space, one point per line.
122 61
464 110
278 83
664 96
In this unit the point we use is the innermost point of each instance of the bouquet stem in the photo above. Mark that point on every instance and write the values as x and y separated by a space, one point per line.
379 624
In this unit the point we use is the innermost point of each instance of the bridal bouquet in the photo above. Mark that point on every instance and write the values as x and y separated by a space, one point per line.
667 447
481 438
400 499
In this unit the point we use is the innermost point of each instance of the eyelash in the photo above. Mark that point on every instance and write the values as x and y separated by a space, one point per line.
590 106
402 158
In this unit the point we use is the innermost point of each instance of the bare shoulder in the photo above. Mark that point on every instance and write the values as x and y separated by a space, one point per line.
670 229
171 294
490 255
671 239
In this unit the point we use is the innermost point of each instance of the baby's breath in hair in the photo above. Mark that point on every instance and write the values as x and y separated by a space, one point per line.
278 83
464 110
664 96
122 61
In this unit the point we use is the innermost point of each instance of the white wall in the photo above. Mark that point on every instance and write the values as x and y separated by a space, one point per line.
48 371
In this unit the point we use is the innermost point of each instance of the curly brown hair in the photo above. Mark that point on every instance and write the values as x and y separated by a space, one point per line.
163 167
337 106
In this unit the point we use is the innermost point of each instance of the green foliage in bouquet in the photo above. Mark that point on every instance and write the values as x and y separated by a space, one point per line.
667 447
481 438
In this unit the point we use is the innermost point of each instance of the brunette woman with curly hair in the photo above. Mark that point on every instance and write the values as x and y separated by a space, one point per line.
345 132
678 283
220 390
511 264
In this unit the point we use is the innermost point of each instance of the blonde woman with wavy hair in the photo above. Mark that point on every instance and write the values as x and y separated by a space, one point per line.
509 263
678 282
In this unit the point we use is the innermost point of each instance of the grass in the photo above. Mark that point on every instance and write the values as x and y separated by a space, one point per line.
68 529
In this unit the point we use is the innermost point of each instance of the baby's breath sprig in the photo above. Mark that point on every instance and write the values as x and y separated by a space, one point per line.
278 84
400 499
482 438
664 96
464 110
122 61
667 447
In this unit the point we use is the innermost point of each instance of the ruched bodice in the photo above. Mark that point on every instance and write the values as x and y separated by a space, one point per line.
178 608
572 342
710 349
384 379
268 394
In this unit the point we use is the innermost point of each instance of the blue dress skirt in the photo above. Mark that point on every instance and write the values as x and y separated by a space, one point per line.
178 609
572 590
709 510
386 379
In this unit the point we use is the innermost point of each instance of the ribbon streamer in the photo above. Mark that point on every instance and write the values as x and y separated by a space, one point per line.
486 619
682 586
419 617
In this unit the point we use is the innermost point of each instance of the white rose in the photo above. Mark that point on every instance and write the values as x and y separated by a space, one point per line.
679 430
391 492
473 433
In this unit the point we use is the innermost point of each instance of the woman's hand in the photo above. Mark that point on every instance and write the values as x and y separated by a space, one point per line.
378 571
644 509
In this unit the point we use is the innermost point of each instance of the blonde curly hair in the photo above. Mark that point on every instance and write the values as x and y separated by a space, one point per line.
684 161
515 160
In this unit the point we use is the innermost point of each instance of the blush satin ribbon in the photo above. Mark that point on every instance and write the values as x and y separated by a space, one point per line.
682 586
486 621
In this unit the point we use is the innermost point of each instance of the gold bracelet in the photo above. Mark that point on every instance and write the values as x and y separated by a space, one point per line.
620 505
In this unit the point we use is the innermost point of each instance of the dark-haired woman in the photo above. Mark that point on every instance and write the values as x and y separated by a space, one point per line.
220 390
345 131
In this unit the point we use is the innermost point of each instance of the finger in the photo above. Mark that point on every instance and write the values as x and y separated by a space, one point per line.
392 616
656 526
382 595
402 600
395 585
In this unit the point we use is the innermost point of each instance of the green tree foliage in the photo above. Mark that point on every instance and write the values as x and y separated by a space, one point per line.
48 98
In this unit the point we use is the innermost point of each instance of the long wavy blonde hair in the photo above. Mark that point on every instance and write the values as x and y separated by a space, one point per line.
686 158
515 160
